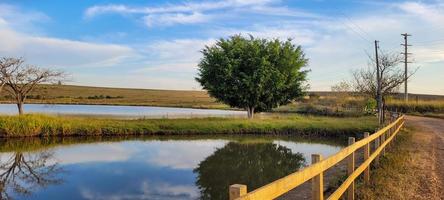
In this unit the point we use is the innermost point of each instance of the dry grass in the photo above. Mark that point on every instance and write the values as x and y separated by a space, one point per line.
404 172
413 106
69 94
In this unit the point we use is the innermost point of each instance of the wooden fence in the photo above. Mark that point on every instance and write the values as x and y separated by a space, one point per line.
381 139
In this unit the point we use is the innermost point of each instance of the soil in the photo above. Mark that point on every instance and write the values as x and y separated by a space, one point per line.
428 159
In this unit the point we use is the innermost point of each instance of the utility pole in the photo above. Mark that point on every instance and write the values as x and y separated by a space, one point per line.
378 85
406 53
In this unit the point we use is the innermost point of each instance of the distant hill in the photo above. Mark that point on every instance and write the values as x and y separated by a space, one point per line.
71 94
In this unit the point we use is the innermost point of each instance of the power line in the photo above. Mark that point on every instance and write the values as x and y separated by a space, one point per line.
360 34
356 25
357 32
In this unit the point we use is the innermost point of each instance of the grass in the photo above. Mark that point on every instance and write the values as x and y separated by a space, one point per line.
69 94
422 107
42 125
401 173
392 173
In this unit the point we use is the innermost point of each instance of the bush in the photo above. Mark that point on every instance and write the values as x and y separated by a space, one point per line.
103 97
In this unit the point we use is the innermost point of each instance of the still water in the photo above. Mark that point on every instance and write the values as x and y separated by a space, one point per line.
148 167
122 111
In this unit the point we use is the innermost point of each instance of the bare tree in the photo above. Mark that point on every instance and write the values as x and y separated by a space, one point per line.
392 77
7 66
21 79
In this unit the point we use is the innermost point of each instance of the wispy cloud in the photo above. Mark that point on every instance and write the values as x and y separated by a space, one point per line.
175 8
431 13
195 12
22 20
167 59
18 37
176 18
61 52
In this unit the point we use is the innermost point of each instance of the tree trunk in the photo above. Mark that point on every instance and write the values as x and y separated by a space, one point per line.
20 107
250 112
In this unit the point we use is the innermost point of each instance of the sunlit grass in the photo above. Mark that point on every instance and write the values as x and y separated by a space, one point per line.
42 125
433 106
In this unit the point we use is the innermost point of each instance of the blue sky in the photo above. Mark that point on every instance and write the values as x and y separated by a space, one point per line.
155 44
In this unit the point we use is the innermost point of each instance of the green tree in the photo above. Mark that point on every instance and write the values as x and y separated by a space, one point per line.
253 74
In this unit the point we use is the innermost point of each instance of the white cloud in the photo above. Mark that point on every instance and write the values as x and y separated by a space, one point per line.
183 7
20 38
195 12
49 51
176 18
22 21
431 13
331 42
300 33
175 56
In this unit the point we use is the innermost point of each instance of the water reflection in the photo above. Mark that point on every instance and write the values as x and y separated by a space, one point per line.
22 173
251 164
148 167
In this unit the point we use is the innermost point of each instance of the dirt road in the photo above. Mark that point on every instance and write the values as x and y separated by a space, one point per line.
429 159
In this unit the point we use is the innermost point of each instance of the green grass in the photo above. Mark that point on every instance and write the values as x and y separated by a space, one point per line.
41 125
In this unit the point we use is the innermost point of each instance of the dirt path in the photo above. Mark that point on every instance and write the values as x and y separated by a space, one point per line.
429 155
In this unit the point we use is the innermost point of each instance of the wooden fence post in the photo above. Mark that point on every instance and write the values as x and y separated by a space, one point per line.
382 141
366 156
350 170
376 147
237 190
387 136
317 182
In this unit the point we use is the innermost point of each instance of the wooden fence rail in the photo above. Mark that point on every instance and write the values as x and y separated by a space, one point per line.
314 172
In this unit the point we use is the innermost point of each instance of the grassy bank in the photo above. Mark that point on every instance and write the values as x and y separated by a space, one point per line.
41 125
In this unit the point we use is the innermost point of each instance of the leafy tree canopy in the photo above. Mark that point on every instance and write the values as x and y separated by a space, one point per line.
253 74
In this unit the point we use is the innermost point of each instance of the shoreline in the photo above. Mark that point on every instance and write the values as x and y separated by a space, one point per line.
31 125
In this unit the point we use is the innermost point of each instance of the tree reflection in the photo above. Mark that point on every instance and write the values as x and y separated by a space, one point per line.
23 173
252 164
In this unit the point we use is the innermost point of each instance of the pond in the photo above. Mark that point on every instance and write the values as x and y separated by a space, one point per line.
119 111
148 167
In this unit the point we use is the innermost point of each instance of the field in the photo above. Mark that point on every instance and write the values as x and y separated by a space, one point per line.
69 94
41 125
315 103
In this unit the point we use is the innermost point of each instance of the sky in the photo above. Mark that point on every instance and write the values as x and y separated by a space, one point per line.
156 43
